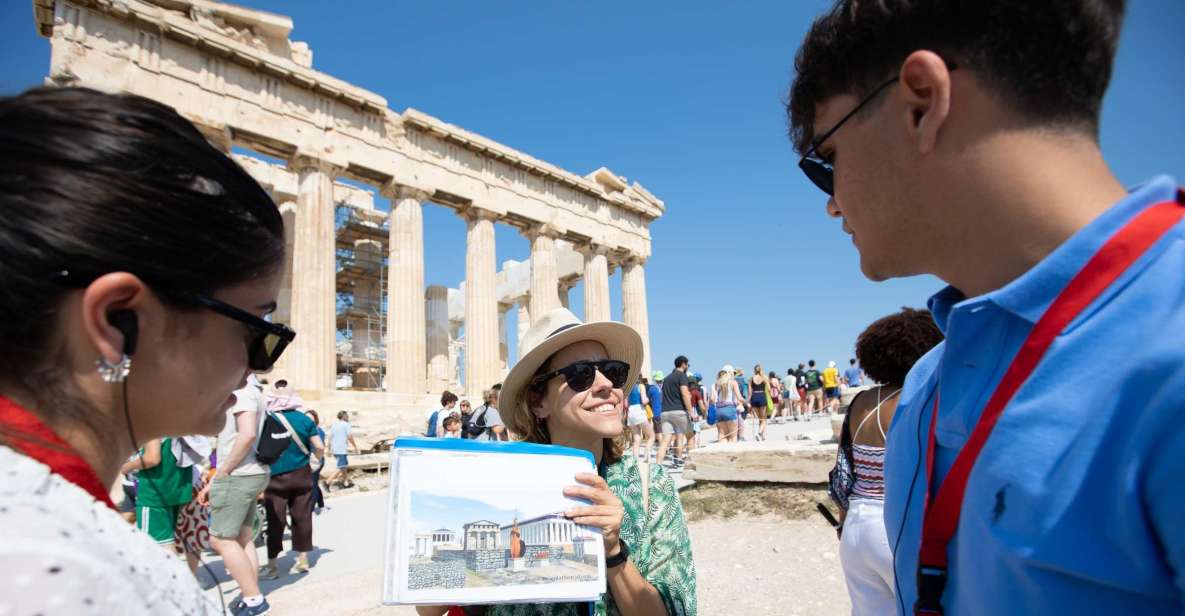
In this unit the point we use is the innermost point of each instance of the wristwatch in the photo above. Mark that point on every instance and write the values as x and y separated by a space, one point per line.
623 554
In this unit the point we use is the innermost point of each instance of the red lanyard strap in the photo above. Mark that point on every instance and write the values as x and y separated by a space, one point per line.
26 433
941 515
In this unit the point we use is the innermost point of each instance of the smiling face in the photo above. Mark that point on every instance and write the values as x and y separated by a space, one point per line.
580 417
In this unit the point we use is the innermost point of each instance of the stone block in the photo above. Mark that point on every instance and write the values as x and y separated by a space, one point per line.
785 462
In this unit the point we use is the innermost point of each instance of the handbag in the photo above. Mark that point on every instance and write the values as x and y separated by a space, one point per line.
711 413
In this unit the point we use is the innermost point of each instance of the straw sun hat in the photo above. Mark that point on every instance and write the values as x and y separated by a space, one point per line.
554 331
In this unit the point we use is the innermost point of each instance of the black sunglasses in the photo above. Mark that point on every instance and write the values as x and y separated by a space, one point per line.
268 340
580 375
822 173
265 345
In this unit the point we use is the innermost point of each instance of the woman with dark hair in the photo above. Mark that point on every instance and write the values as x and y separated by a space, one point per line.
759 400
886 350
138 265
568 389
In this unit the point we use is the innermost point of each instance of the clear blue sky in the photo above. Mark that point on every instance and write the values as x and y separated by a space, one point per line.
685 98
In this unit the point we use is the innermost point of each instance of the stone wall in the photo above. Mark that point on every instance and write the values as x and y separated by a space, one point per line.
484 560
436 574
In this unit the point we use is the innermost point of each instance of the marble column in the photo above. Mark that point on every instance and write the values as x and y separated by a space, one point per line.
481 302
633 302
313 356
439 374
565 298
596 283
544 273
406 338
524 321
283 312
503 342
455 346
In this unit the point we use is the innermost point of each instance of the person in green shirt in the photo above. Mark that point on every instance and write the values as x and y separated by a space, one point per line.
164 488
568 389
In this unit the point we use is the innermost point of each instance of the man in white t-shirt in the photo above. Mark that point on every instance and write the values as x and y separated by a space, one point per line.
233 492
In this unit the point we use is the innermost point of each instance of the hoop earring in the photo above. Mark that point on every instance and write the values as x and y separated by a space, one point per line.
114 373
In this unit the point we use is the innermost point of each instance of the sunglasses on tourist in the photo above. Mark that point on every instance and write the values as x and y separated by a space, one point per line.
267 340
820 171
265 343
580 375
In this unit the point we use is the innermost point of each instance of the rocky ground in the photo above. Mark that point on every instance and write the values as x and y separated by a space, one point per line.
775 563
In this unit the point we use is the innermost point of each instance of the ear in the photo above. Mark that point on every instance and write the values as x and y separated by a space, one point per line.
925 82
109 295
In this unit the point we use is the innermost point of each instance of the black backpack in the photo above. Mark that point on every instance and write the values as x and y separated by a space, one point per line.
476 426
274 438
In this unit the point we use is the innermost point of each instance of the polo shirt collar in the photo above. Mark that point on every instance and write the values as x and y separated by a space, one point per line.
1029 295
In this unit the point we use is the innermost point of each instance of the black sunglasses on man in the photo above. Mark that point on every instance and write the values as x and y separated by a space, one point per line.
821 172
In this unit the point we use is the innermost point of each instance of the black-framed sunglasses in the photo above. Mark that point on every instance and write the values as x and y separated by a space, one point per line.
264 346
822 173
580 375
268 340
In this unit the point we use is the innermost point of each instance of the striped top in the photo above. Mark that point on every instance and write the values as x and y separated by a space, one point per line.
869 467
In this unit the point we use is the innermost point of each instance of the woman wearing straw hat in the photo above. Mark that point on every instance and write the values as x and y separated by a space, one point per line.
568 390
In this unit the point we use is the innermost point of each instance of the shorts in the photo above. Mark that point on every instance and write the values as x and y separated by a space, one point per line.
341 460
232 503
128 503
675 422
636 416
802 393
831 392
758 400
158 522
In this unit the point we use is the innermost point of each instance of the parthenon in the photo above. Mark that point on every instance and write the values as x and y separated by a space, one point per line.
354 283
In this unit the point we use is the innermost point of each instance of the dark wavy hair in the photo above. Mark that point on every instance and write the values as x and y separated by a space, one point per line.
1050 59
98 183
889 347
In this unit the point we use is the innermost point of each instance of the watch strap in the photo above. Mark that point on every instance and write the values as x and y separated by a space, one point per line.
623 554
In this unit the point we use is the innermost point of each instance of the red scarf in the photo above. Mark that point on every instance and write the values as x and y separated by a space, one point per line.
29 435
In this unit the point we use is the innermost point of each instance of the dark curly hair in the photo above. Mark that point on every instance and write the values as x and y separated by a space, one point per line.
1051 60
889 347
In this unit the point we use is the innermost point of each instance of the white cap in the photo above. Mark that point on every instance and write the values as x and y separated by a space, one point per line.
830 364
729 369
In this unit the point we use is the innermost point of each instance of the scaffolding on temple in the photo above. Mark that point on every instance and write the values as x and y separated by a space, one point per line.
362 237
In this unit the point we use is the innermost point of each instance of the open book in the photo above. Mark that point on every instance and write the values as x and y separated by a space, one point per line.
476 522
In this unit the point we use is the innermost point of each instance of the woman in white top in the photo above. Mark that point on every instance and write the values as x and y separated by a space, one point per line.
137 263
887 350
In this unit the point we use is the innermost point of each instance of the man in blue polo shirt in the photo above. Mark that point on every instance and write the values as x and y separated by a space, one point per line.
959 139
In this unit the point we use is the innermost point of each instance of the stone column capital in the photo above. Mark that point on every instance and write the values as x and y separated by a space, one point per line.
589 249
394 190
474 212
632 259
546 229
303 162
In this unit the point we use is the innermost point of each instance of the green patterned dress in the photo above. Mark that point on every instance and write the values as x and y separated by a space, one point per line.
659 546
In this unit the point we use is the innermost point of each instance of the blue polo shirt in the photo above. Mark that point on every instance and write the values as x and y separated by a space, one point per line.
1075 503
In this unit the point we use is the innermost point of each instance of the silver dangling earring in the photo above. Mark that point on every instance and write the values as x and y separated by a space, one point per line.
114 373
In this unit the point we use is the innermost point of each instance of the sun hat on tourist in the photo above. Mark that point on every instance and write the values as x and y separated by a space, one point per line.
547 336
657 376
